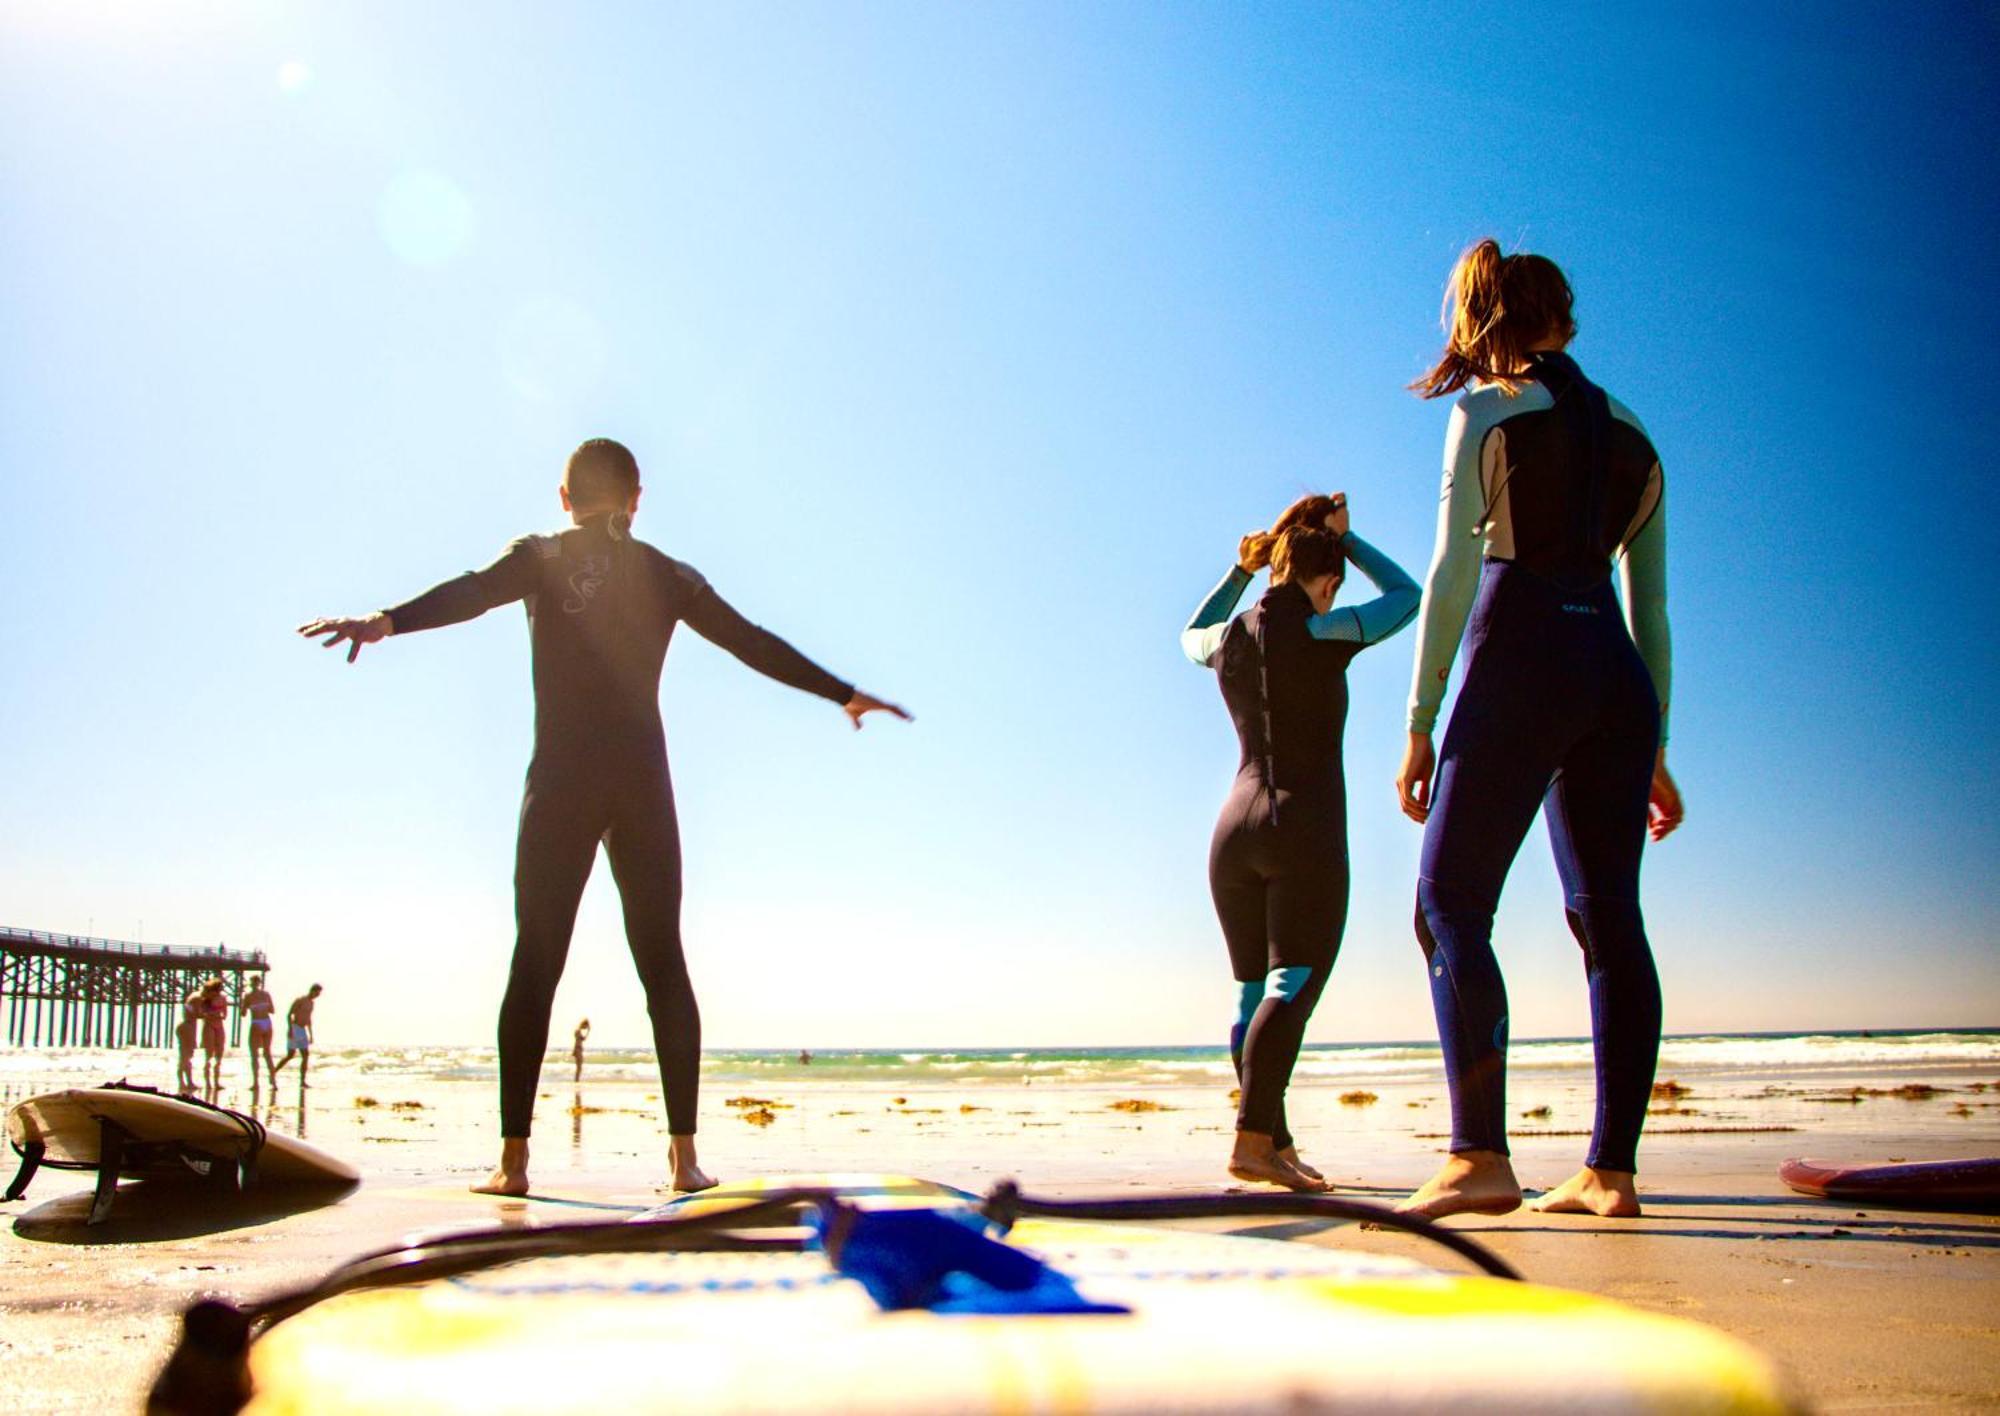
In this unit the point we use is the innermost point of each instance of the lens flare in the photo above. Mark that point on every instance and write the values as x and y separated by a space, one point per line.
424 217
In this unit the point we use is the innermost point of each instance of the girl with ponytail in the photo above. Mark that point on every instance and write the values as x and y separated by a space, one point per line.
1549 484
1277 864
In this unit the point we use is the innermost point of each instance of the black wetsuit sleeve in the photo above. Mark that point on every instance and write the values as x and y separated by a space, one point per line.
714 620
510 578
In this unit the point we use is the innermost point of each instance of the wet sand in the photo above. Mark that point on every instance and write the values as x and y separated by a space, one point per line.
1868 1309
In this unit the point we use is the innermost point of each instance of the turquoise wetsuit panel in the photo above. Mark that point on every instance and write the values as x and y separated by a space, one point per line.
1382 616
1369 623
1204 632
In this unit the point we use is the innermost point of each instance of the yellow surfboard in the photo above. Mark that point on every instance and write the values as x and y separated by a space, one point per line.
1214 1323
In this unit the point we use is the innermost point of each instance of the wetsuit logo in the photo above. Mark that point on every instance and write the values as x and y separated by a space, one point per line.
1579 609
585 582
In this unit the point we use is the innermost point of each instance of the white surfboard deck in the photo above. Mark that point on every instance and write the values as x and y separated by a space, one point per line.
68 1123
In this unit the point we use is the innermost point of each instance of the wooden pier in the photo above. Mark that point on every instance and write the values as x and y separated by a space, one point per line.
62 990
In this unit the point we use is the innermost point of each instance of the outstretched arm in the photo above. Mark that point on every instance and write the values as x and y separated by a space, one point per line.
464 597
1204 632
715 620
1382 616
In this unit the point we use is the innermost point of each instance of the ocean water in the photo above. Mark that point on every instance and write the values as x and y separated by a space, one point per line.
1746 1055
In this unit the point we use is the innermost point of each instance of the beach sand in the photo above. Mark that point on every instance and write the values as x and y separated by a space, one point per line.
1869 1309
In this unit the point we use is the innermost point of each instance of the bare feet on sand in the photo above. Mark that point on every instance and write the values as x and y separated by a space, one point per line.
1255 1159
1290 1155
510 1177
688 1176
1471 1182
1611 1194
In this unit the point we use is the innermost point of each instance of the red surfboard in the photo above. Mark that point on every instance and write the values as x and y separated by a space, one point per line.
1931 1184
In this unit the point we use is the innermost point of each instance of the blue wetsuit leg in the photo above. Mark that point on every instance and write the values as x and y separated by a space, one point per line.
1596 812
1556 704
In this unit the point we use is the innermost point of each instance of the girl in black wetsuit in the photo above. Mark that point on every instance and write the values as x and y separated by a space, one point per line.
1277 865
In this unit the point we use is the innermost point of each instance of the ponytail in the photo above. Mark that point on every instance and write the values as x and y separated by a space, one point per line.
1253 552
1298 546
1495 306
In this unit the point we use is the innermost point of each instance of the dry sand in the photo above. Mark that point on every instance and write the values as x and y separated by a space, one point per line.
1871 1310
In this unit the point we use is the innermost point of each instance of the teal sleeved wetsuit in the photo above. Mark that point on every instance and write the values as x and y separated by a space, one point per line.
1277 864
1562 710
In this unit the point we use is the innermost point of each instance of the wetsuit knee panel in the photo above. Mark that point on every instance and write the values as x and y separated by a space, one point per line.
1287 983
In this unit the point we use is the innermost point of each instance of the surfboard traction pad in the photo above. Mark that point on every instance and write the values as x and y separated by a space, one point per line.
1217 1323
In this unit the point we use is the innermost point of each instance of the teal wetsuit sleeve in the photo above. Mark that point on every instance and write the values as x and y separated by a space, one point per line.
1642 577
1382 616
1454 572
1204 632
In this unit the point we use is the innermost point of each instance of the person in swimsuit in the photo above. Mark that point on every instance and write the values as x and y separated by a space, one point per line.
187 1036
1277 864
601 610
259 1004
212 1010
299 1035
576 1048
1563 709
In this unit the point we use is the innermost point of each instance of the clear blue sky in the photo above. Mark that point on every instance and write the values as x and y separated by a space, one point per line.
959 344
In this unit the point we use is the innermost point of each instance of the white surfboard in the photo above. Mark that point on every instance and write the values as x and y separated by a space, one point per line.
117 1130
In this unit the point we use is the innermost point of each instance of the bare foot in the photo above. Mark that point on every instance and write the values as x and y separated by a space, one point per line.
1290 1155
1611 1194
1471 1182
688 1175
1255 1159
510 1176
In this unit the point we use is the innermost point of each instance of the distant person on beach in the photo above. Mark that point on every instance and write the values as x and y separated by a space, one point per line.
299 1035
601 610
1563 708
210 1010
187 1037
576 1049
805 1058
1277 864
259 1004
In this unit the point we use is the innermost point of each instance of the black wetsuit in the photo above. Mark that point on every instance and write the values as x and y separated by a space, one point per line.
1277 864
601 609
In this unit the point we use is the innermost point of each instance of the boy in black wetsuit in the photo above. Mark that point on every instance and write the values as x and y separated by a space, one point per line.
601 609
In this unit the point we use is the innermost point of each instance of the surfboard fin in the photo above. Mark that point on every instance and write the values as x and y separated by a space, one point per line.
31 1161
110 1154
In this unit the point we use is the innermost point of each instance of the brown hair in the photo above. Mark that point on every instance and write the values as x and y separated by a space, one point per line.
1298 546
1495 306
601 471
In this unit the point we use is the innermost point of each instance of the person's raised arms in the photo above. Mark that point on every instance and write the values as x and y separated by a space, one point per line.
1375 621
463 597
715 620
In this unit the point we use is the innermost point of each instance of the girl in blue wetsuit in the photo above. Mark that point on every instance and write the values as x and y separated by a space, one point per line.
1277 865
1547 483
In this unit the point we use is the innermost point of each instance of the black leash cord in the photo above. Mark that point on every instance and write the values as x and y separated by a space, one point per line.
1005 1203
